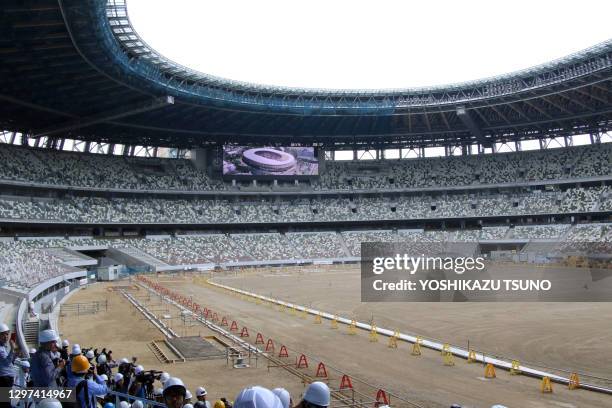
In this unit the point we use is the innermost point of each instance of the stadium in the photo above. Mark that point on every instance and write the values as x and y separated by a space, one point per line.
220 230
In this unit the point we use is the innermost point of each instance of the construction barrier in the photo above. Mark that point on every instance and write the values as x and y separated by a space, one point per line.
489 371
574 382
546 386
321 371
345 382
302 362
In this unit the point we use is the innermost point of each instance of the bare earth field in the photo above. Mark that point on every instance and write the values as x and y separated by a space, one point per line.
126 332
574 336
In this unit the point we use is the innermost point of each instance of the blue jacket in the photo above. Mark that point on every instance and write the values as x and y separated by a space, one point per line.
95 388
42 371
7 369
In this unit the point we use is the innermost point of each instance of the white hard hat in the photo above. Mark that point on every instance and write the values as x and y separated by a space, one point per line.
164 377
32 351
283 396
49 403
65 343
158 391
200 391
101 359
124 404
138 369
124 361
47 336
4 328
257 397
117 377
76 350
174 382
137 404
188 394
498 406
187 406
23 363
317 393
104 377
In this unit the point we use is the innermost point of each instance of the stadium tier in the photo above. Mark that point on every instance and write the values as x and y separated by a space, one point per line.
62 169
29 261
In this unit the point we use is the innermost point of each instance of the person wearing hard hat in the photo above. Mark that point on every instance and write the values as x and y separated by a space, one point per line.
43 372
137 387
219 404
317 395
64 350
158 395
137 404
201 396
7 356
174 392
284 396
86 390
49 403
257 397
102 368
22 378
188 397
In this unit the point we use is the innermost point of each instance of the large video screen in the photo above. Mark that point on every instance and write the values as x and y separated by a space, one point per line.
270 161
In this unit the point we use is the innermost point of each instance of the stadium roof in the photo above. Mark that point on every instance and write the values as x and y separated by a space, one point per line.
77 68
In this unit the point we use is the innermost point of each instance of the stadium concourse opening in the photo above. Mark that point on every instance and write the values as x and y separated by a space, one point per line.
171 238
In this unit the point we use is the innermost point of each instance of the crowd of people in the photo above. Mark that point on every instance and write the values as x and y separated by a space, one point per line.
98 379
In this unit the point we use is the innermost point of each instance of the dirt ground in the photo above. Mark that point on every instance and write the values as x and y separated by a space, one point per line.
126 332
548 333
571 336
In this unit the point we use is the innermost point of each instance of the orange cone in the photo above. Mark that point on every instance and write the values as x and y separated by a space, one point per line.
283 352
259 339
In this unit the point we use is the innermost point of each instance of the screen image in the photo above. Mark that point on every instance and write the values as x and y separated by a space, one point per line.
270 161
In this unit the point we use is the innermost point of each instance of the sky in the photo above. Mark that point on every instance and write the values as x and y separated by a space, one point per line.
356 44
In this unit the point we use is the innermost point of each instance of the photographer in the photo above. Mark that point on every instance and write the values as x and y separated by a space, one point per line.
7 355
86 389
44 372
64 352
103 368
142 384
